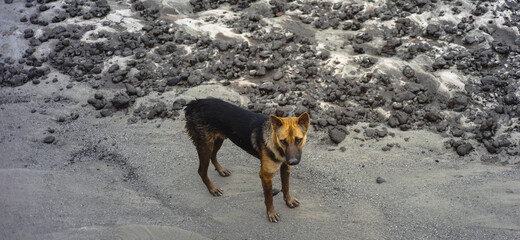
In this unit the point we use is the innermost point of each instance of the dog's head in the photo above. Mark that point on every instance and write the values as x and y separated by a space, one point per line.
290 135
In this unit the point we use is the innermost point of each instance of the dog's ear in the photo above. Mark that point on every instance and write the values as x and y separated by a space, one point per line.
275 121
304 120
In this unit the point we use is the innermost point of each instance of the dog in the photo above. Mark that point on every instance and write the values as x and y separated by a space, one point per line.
277 142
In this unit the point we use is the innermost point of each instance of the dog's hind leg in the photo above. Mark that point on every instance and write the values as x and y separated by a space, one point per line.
205 151
216 146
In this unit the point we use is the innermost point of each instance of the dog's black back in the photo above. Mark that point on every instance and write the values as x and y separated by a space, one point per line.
233 122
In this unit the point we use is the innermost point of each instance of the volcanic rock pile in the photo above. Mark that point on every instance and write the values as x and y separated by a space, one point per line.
452 67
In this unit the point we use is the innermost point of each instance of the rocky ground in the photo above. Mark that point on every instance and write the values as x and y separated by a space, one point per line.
414 107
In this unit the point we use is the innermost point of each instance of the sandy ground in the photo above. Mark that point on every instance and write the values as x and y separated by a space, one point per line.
104 179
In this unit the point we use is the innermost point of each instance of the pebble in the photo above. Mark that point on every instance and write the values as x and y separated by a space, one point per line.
380 180
49 139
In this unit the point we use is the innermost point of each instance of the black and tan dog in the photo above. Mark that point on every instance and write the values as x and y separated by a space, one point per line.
277 142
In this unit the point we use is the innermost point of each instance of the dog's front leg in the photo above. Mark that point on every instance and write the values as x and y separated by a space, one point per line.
267 184
285 173
267 172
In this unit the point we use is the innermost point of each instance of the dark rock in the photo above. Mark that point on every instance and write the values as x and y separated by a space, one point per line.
464 149
367 62
403 96
370 133
347 25
500 109
393 121
363 38
322 122
470 40
408 109
158 110
60 17
440 63
179 104
267 87
96 70
173 81
489 146
265 53
113 68
511 99
121 100
140 53
323 54
74 116
130 89
43 8
358 48
433 30
500 47
442 127
433 117
397 105
402 117
106 113
408 72
28 33
458 103
337 135
97 103
278 75
221 45
381 133
413 87
390 47
194 79
33 42
49 139
261 71
457 132
380 180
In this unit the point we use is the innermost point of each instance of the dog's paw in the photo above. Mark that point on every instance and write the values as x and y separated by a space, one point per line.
216 192
292 202
273 216
224 172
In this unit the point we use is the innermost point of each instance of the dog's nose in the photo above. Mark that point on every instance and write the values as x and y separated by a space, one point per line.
293 161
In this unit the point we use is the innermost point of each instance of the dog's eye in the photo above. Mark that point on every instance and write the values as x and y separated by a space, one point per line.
284 142
297 140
